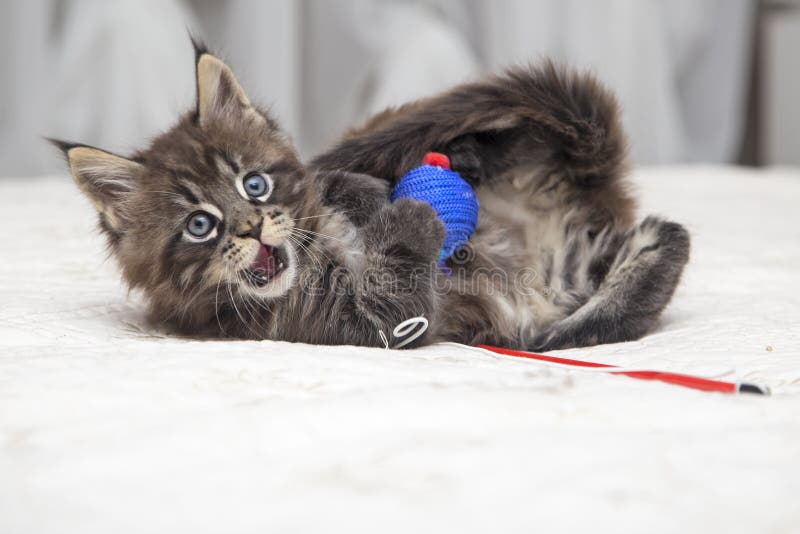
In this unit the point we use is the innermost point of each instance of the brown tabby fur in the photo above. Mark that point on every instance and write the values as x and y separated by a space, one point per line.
556 260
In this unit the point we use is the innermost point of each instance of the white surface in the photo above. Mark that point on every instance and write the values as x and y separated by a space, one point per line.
105 427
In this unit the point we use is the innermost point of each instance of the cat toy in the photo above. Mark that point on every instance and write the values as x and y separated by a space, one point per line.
456 205
676 379
411 329
448 194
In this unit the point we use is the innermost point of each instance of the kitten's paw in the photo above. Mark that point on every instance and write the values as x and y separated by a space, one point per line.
415 224
670 238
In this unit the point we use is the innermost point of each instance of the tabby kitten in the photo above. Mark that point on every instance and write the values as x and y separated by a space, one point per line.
228 234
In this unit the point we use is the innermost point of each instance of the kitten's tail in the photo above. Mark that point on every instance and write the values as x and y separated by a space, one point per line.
565 117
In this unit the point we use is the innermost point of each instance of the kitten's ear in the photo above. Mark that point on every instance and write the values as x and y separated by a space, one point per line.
219 95
103 177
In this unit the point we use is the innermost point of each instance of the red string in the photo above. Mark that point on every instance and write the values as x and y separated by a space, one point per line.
694 382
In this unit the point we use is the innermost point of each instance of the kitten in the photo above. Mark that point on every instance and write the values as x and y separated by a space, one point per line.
228 234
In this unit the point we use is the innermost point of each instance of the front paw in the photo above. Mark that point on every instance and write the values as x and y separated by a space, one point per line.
412 224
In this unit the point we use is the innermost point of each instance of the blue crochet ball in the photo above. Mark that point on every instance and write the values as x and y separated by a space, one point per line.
448 194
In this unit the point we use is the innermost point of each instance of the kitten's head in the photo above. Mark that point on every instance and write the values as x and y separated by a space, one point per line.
211 213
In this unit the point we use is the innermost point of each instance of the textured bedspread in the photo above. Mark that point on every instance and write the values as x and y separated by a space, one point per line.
107 426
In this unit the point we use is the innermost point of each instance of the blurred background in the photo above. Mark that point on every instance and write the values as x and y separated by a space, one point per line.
713 81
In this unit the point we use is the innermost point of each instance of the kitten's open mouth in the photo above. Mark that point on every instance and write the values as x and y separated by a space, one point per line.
268 265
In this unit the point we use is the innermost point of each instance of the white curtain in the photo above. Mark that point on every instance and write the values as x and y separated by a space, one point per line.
679 67
115 72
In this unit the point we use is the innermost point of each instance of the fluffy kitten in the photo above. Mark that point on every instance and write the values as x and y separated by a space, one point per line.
229 234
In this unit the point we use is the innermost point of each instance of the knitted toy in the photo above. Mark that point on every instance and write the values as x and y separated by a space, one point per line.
448 194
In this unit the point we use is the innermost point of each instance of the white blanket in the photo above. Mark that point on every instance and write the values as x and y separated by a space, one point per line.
106 426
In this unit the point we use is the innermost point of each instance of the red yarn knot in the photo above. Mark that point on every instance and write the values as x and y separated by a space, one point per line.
437 160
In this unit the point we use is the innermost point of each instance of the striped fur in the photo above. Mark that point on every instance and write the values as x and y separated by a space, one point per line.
556 260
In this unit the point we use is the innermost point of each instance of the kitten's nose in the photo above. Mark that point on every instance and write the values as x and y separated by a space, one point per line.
250 229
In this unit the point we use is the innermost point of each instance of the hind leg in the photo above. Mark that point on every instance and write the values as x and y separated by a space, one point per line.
637 285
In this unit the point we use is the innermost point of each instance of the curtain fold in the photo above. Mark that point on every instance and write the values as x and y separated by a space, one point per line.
115 73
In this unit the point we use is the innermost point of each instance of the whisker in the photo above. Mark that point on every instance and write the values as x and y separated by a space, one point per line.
321 215
259 304
318 234
304 248
248 299
216 305
311 244
238 313
249 309
317 246
311 255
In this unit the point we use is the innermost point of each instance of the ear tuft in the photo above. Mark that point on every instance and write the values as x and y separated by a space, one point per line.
200 49
63 146
199 46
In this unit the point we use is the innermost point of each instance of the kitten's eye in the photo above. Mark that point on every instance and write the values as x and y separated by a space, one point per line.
257 185
200 224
